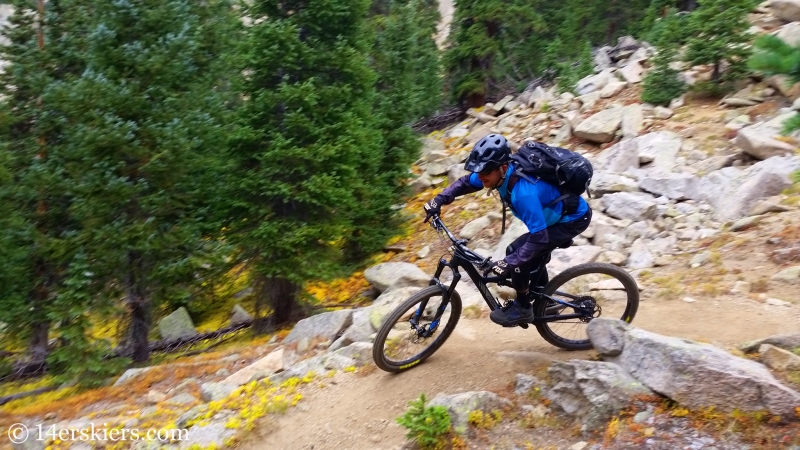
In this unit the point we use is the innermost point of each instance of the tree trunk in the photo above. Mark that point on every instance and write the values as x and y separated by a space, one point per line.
138 303
715 75
279 296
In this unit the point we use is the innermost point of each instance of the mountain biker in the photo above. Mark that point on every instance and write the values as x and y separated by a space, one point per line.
491 167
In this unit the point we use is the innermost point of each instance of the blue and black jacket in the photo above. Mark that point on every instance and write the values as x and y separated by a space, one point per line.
526 201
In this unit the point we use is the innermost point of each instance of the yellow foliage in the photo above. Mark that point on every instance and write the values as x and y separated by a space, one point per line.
484 420
612 430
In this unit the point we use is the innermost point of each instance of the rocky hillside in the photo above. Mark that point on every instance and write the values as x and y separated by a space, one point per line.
696 201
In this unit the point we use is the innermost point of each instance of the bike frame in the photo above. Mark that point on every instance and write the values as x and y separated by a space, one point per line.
465 258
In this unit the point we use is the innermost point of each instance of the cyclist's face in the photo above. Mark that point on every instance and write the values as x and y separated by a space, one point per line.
491 179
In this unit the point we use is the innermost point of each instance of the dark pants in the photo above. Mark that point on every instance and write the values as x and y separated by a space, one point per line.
534 271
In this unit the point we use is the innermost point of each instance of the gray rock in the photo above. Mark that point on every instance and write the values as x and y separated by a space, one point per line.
130 374
460 405
215 433
359 352
789 275
659 149
786 10
177 325
326 326
627 205
359 331
431 145
239 315
733 192
790 33
673 186
608 183
383 275
632 72
778 359
386 303
212 392
455 172
600 127
562 259
607 338
273 362
336 361
182 399
632 120
420 183
784 341
472 228
662 113
593 83
613 88
618 158
641 257
696 375
592 391
185 418
525 383
760 144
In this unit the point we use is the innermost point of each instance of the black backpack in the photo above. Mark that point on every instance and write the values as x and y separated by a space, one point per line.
568 171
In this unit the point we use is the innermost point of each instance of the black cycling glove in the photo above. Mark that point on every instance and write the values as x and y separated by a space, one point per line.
433 207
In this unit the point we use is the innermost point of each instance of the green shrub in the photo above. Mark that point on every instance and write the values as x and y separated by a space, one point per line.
427 426
661 85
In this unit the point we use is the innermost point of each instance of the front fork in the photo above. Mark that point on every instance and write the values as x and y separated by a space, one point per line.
428 331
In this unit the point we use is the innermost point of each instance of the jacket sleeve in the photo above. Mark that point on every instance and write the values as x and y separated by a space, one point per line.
462 186
535 243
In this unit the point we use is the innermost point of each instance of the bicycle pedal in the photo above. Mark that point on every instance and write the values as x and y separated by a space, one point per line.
524 325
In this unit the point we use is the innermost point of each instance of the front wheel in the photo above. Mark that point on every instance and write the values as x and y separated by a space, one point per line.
605 290
411 333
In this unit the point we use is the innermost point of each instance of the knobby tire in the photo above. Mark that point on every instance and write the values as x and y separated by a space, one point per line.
540 305
399 313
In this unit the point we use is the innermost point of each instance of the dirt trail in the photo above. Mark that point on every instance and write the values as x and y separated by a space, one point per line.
359 411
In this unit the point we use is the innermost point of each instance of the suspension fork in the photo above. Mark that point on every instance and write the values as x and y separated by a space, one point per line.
446 294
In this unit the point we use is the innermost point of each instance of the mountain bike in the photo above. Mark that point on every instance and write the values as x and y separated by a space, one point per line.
417 328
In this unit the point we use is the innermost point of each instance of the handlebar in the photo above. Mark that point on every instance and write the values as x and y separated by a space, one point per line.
471 256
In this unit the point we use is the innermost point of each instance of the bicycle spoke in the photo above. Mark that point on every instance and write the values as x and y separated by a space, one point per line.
595 290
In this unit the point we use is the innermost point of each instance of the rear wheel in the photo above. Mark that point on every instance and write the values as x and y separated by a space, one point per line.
605 290
409 334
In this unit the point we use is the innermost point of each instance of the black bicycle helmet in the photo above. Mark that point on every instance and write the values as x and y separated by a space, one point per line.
489 153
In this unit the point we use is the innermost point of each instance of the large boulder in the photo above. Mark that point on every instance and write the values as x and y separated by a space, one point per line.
674 186
601 127
618 158
658 151
325 326
630 205
396 274
761 144
763 179
786 10
693 374
177 325
592 391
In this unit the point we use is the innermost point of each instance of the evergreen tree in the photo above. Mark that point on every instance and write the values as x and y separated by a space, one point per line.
773 56
483 35
36 230
141 128
720 36
409 87
306 147
662 83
